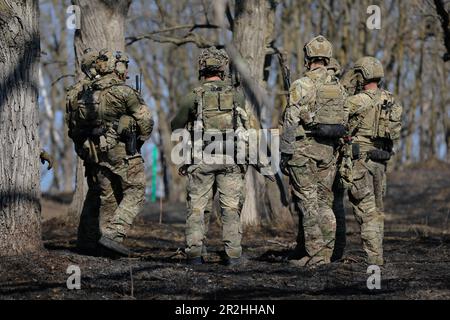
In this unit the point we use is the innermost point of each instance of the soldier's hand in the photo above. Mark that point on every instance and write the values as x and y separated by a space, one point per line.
45 157
182 171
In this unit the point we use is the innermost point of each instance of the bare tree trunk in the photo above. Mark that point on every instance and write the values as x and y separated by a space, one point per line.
249 37
102 26
20 218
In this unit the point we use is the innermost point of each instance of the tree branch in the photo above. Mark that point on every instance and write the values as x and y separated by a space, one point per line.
151 35
190 37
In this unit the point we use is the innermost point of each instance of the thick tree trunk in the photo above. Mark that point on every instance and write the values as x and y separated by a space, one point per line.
20 219
102 26
249 37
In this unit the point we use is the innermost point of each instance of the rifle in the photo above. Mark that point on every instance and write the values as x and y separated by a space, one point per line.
286 74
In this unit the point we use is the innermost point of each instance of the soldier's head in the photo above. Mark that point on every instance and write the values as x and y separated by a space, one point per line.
88 63
317 52
106 62
370 70
121 68
212 62
334 67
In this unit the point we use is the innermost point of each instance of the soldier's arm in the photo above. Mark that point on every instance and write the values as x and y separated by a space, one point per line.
137 109
184 113
289 129
302 95
353 105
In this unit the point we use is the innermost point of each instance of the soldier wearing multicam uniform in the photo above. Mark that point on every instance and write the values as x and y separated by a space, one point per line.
375 125
314 122
216 107
109 123
335 71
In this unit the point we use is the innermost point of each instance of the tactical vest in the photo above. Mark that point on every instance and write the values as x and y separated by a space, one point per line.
381 119
329 103
216 107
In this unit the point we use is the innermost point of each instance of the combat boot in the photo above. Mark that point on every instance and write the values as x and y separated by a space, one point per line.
114 246
234 262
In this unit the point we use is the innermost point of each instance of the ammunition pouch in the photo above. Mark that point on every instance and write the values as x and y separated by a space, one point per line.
378 155
328 131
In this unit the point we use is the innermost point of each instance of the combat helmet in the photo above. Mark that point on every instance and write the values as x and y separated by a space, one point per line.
212 60
318 47
370 68
106 62
88 63
122 61
334 66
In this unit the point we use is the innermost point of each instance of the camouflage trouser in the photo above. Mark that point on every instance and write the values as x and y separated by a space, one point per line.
229 181
207 218
339 213
312 184
366 195
115 197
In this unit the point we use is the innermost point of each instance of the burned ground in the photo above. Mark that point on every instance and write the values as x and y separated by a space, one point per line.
417 252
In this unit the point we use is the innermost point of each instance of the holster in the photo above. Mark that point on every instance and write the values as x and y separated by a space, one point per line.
131 144
378 155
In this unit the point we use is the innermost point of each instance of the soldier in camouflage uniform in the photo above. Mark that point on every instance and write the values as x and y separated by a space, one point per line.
215 106
375 125
335 70
314 122
110 123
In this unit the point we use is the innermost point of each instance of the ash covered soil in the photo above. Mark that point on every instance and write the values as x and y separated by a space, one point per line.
417 253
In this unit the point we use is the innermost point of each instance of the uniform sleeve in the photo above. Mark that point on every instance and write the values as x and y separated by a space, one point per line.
184 112
351 104
137 109
291 125
302 95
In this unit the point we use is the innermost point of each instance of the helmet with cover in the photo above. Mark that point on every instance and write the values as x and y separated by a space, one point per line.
212 61
370 68
106 62
318 48
335 67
